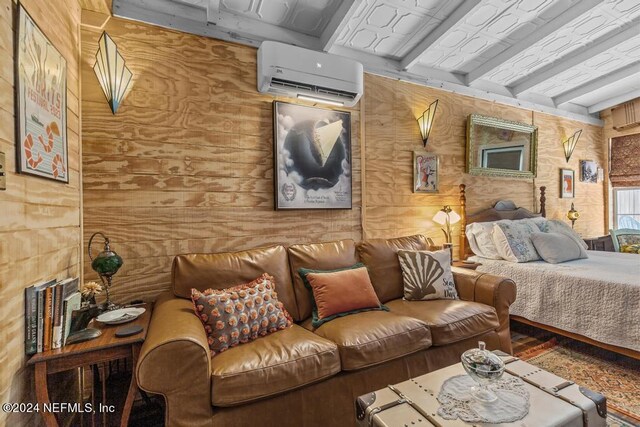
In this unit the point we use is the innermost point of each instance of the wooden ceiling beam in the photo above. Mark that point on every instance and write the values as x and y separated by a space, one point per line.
338 22
598 83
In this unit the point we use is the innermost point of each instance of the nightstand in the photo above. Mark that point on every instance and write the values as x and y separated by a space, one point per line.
603 243
470 266
97 352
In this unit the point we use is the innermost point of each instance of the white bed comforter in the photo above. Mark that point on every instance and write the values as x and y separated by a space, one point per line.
598 297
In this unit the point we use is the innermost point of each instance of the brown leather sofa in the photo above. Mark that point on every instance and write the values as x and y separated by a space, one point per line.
301 376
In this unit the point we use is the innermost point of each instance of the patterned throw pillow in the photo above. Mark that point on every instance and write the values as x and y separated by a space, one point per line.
630 249
240 314
513 240
340 292
427 275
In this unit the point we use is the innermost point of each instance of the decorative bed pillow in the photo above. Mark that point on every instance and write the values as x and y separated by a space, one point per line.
427 275
555 248
557 226
480 240
240 314
337 293
513 240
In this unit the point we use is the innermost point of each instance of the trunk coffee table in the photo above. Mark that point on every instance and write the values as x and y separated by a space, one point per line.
553 400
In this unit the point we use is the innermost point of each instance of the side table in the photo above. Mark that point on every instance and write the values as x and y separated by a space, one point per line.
471 266
99 351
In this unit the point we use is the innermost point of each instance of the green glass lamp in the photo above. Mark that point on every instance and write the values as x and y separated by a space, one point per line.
106 264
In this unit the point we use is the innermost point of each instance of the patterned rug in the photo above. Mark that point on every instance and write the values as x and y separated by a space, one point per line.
616 376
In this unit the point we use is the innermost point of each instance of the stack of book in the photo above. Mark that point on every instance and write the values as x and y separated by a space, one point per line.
47 309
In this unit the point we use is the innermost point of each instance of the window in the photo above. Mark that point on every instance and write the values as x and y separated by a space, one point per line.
626 208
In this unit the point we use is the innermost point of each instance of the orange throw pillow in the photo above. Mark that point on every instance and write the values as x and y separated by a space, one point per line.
341 292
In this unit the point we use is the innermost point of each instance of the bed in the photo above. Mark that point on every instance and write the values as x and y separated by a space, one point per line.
595 300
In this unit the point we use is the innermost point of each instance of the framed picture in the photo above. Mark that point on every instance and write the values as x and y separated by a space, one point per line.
567 184
41 98
588 171
425 172
312 149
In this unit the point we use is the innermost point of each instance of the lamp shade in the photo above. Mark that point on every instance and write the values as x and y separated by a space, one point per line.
570 144
110 68
441 216
425 122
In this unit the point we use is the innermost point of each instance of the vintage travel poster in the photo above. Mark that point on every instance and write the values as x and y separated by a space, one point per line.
41 87
313 157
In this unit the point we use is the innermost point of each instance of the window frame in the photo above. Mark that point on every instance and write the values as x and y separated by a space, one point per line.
615 203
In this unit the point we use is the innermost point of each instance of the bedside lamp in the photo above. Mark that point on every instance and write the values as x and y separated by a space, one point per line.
573 215
446 216
106 264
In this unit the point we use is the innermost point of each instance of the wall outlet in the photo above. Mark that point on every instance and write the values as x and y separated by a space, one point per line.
3 173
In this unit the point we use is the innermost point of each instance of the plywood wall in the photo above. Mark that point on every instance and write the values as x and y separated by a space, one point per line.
392 134
40 219
186 164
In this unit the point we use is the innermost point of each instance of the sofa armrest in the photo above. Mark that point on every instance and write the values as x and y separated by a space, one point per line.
175 361
496 291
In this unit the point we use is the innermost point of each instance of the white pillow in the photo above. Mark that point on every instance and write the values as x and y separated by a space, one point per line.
481 241
555 248
427 275
513 240
557 226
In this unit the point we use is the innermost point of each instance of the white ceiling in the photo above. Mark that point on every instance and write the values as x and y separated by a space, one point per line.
568 57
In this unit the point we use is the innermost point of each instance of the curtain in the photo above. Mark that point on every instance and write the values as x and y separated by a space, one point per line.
625 161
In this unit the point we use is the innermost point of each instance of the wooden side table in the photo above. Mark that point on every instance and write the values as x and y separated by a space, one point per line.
99 351
471 266
603 243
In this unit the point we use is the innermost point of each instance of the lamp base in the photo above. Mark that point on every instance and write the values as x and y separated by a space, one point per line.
110 306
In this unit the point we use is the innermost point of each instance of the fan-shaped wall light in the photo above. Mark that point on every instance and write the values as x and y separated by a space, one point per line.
112 72
426 121
570 144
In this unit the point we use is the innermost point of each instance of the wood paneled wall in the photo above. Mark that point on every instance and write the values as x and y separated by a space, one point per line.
40 219
186 163
392 134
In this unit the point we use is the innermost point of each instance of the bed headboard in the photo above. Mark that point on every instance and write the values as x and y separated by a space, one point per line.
502 209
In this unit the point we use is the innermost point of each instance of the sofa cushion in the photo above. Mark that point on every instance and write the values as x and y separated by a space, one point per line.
372 337
273 364
449 320
317 256
341 292
240 314
381 258
226 269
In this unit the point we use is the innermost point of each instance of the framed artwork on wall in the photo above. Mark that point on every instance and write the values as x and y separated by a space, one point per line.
312 150
588 171
567 184
41 97
425 172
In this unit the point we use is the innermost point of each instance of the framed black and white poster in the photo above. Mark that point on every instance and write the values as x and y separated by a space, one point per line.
588 171
41 95
312 149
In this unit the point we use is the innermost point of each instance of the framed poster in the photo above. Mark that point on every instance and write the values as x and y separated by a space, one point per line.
312 149
41 98
588 171
425 172
567 184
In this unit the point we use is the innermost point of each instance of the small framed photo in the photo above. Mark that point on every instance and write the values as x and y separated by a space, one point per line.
567 184
588 171
425 172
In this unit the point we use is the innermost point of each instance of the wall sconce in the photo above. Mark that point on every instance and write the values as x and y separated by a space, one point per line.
425 122
446 216
570 144
112 72
573 215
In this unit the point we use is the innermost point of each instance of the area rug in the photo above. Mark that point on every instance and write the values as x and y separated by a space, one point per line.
616 376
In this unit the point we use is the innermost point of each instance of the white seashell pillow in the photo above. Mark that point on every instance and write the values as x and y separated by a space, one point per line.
427 275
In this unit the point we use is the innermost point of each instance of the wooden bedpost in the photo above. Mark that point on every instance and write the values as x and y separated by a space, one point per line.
463 222
543 199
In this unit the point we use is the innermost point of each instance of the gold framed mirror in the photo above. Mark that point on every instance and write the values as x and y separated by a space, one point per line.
497 147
